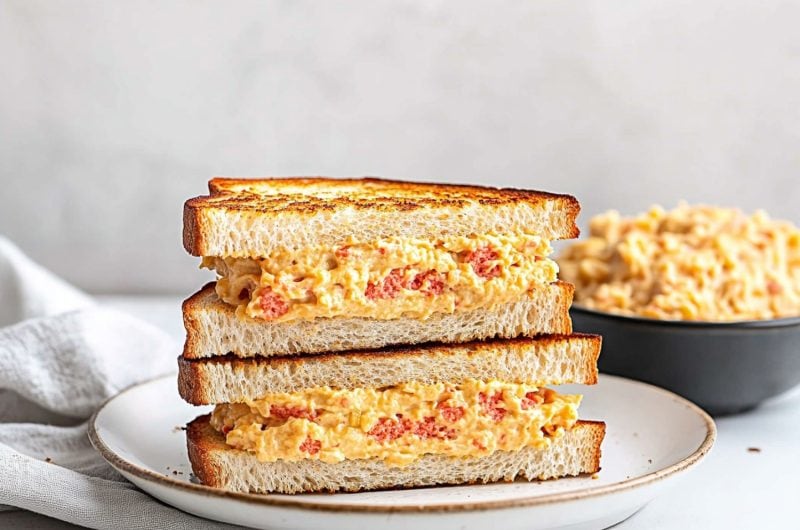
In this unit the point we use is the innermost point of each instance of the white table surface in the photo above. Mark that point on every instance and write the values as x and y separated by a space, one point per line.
733 488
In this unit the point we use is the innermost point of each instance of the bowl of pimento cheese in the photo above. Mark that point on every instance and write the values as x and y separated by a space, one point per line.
702 300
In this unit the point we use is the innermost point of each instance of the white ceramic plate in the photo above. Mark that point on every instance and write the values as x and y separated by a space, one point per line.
653 437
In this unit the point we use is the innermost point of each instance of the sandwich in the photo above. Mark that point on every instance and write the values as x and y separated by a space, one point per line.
399 417
310 265
366 334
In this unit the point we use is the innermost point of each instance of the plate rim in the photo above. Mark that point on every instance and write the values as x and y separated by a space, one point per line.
125 466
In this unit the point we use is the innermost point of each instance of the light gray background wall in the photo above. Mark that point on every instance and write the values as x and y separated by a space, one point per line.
113 113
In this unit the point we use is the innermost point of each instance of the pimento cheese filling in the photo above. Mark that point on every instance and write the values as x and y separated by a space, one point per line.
386 279
398 424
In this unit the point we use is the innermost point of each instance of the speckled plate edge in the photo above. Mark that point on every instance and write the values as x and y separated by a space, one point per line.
690 461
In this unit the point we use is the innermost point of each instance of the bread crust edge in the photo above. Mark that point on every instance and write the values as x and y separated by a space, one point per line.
194 224
195 303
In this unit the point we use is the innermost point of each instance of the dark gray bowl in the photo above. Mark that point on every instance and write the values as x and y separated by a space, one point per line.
723 367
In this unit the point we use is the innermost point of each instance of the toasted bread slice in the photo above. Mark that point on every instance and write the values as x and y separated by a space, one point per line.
254 217
551 360
217 464
213 329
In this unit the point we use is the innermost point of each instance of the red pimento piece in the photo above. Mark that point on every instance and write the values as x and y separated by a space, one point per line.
530 400
774 287
480 260
273 304
490 405
226 429
371 291
428 428
430 282
283 412
451 414
389 430
311 446
388 287
342 252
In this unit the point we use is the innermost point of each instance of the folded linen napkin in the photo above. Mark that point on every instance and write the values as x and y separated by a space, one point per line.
61 356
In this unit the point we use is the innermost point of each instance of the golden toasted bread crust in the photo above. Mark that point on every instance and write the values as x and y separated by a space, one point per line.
370 193
478 347
192 326
304 197
205 445
192 234
201 441
599 428
195 379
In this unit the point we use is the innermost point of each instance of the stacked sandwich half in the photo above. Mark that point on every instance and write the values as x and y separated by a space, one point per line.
368 334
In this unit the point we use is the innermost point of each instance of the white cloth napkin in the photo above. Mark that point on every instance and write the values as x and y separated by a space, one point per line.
61 356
